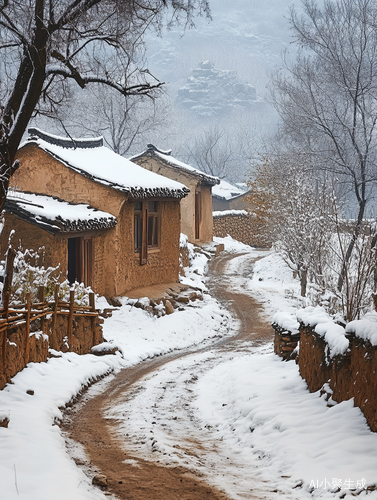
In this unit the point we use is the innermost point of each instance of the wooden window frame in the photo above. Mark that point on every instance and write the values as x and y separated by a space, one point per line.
146 228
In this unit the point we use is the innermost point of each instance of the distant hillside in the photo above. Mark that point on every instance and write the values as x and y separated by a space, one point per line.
246 36
244 43
214 92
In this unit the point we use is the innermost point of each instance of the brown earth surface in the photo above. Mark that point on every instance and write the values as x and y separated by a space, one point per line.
129 477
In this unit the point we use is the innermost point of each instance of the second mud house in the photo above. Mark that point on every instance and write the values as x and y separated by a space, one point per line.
227 196
196 211
105 220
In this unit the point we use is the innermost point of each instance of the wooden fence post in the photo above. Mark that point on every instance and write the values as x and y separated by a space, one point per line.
6 299
41 298
70 317
92 305
28 309
56 308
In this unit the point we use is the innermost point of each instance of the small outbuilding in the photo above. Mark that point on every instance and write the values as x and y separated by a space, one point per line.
227 196
108 222
196 208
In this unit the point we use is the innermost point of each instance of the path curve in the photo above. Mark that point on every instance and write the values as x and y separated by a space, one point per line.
130 477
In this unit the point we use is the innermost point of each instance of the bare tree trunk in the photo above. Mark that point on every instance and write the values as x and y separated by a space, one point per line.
351 245
11 254
7 169
303 282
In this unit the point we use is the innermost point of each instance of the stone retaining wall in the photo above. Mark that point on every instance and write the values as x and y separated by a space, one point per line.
285 342
240 227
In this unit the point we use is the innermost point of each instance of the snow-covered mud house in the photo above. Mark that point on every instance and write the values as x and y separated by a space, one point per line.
196 208
108 222
226 196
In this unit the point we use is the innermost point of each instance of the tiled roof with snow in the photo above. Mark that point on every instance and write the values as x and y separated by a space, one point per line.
55 215
166 157
226 191
98 163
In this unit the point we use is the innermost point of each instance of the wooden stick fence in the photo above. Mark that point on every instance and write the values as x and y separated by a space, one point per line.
16 315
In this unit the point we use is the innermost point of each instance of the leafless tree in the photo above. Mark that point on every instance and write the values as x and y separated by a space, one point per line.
125 122
327 97
47 45
296 210
212 151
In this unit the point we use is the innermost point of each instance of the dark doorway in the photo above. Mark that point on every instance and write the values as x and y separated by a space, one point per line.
80 260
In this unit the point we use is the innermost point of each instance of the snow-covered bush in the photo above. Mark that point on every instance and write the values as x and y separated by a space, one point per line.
81 292
30 273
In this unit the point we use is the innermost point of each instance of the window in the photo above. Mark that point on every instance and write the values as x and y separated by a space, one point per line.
80 260
146 228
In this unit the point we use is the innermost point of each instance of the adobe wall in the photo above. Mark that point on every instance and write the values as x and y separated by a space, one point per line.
285 342
241 228
32 237
87 332
219 205
41 173
187 203
350 375
163 263
105 244
238 203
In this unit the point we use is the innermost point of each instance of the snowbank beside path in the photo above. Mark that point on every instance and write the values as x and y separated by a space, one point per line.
34 464
264 413
272 283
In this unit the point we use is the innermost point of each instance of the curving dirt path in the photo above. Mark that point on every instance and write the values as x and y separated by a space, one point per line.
130 477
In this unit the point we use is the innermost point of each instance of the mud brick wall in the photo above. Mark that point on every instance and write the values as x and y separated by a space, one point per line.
87 332
285 342
163 263
240 227
351 375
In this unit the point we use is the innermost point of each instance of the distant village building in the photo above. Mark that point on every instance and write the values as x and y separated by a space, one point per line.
196 208
108 222
226 196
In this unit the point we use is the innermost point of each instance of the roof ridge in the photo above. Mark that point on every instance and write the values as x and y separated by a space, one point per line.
65 142
152 147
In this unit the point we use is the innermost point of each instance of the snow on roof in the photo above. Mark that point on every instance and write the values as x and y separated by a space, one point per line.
55 215
173 162
227 191
98 163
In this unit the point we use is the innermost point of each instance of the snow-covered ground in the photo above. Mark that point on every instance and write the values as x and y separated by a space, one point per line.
34 464
254 427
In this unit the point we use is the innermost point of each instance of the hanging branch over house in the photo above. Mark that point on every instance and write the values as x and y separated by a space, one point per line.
48 45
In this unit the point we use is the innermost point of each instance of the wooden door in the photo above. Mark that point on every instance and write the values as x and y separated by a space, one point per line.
198 213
